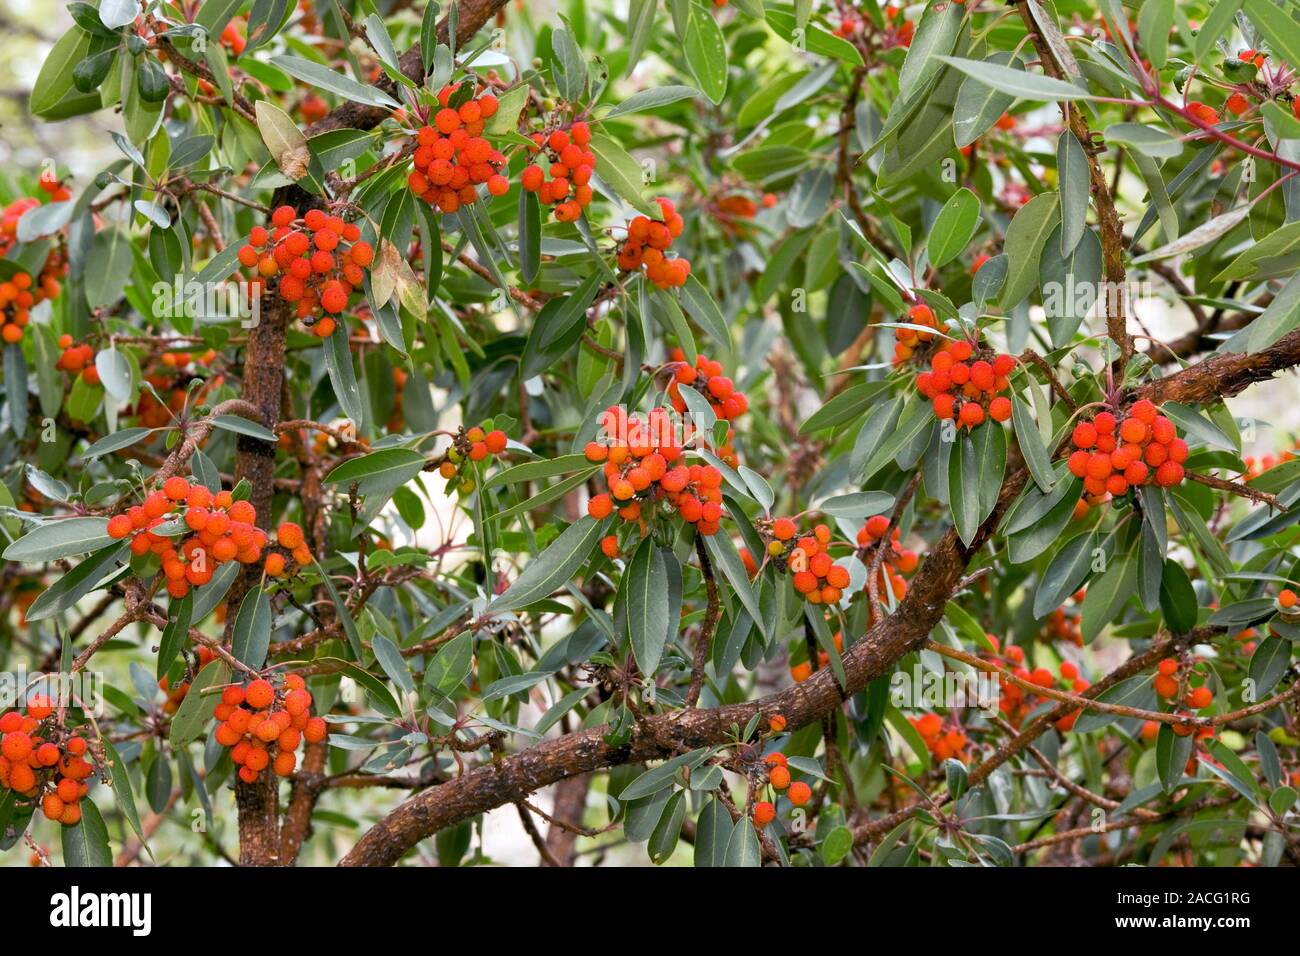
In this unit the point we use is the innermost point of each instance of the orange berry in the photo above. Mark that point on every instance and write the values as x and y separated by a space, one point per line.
259 694
315 731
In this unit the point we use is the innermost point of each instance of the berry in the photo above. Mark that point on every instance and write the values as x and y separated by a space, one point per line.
259 694
799 793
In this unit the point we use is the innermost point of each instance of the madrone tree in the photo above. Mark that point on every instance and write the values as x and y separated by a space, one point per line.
729 428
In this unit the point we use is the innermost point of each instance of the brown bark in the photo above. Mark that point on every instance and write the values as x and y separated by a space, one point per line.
1224 375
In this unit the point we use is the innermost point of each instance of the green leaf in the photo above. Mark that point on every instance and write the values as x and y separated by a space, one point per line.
743 849
121 786
651 99
1026 86
61 538
570 67
175 634
54 81
845 406
712 834
701 305
1177 598
979 106
284 140
196 710
857 505
836 846
935 38
77 583
343 376
1216 24
953 228
108 268
1172 752
815 39
451 666
644 593
1068 569
530 236
706 53
725 558
242 426
657 778
252 634
1031 444
324 78
1154 22
1108 594
391 660
85 843
380 699
341 611
1075 187
1026 236
1269 663
976 464
1148 140
1279 27
552 568
617 169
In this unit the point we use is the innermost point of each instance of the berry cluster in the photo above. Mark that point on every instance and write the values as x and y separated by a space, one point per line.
942 743
1169 684
452 157
797 792
733 210
898 30
706 378
1112 456
647 241
897 560
907 341
225 530
77 359
815 574
44 761
289 538
1064 625
263 725
571 164
965 384
640 472
472 444
319 259
175 695
20 291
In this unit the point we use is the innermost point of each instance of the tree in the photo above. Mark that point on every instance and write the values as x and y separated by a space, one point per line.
734 419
